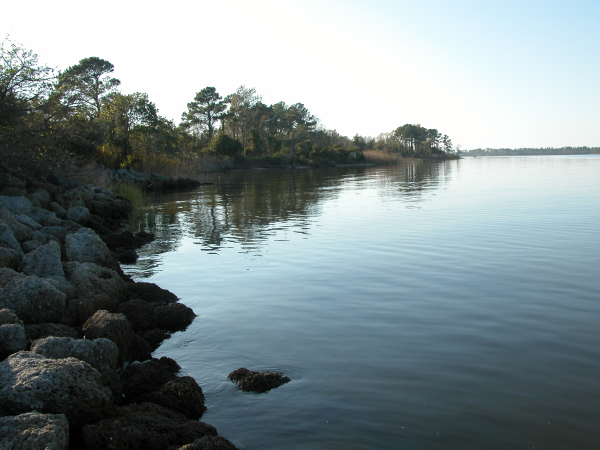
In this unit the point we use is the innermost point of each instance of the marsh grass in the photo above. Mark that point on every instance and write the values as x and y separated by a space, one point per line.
140 218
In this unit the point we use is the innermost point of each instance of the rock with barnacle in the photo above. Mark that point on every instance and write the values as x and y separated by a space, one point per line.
259 382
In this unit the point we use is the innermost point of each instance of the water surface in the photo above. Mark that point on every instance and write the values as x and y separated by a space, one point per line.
431 305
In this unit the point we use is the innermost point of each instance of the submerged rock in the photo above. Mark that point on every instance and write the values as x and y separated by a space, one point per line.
258 382
210 443
174 317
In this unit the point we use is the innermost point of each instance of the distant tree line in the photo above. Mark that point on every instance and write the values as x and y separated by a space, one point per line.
80 111
531 151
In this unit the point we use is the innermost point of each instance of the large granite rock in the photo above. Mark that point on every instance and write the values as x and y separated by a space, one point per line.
181 394
13 339
93 280
16 205
8 240
21 231
144 427
75 197
86 246
34 431
29 381
33 299
44 261
79 214
43 330
116 328
139 313
9 258
102 354
148 376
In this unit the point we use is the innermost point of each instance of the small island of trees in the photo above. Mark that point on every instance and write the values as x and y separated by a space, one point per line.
80 113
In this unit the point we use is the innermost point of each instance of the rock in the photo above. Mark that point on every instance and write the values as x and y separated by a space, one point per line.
174 317
44 261
52 221
116 328
43 197
142 238
122 239
95 281
8 317
79 310
9 258
210 443
76 197
127 257
139 313
144 427
151 293
20 231
28 221
12 339
33 299
8 240
258 382
146 377
43 330
7 275
57 209
34 431
79 214
102 354
17 205
86 246
10 181
69 386
182 394
154 337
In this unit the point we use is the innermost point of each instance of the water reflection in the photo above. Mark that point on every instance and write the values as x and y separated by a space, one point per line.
247 208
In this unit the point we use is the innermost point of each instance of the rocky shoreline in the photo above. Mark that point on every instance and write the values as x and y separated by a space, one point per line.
77 334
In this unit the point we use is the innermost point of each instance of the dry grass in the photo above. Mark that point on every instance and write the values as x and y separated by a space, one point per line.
382 158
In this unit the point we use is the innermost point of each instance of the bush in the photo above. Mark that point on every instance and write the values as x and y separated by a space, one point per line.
223 145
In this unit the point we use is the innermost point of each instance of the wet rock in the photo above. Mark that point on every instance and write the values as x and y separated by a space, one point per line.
17 205
139 313
69 386
8 240
79 214
79 310
43 330
258 382
12 339
181 394
144 427
174 317
142 238
116 328
127 257
122 239
146 377
86 246
102 354
210 443
33 299
44 261
34 431
151 293
154 337
95 281
9 258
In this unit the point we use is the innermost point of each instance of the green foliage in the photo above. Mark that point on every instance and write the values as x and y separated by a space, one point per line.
204 111
223 145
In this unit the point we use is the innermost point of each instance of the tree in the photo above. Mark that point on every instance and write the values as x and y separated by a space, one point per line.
297 118
204 111
84 85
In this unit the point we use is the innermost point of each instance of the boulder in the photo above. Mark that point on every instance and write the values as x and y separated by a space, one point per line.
102 354
12 339
28 221
29 381
116 328
146 377
258 382
181 394
174 317
144 427
8 317
139 313
151 293
86 246
34 431
95 281
44 261
8 240
154 337
79 196
7 275
17 205
33 299
9 258
20 231
210 443
79 310
127 257
43 330
79 214
43 197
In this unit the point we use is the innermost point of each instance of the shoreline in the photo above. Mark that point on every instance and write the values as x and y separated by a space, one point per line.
77 334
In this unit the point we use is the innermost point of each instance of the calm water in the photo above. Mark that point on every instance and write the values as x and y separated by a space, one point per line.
426 306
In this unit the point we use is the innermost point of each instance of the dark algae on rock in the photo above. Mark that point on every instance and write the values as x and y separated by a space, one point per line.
258 382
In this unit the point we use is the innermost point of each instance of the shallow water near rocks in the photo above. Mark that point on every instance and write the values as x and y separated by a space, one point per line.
431 305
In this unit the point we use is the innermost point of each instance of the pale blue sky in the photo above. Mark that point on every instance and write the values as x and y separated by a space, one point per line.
487 73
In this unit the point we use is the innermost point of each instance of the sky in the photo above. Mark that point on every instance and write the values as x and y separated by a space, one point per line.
488 73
